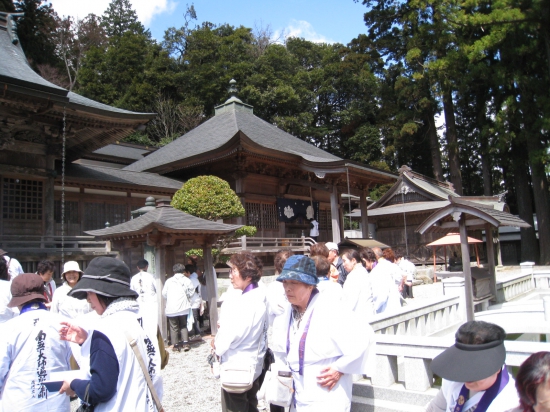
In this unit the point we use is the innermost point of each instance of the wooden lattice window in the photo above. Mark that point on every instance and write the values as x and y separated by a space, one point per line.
71 212
22 199
262 215
97 214
325 220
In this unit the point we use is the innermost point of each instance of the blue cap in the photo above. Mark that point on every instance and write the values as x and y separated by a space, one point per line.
300 268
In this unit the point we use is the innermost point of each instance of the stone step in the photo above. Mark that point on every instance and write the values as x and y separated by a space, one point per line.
359 404
368 397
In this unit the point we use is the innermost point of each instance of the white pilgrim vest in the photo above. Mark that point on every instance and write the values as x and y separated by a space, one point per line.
66 305
30 351
505 401
132 391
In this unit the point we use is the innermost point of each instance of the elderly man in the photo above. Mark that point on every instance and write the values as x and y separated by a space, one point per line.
31 350
336 261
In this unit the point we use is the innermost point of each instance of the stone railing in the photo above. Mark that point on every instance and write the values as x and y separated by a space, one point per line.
541 279
434 316
407 359
514 287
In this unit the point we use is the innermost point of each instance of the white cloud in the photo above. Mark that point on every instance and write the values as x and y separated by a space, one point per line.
145 9
302 28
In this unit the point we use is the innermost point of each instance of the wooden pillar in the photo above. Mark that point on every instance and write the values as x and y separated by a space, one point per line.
364 215
49 202
491 259
335 215
160 277
468 288
211 281
239 190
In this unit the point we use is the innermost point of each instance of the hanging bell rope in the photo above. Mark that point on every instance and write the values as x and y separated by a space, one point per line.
63 186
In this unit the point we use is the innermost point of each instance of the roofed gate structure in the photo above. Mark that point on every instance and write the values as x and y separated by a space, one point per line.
408 203
269 169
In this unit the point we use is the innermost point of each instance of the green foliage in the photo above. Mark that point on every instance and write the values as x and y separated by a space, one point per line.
7 6
141 139
36 30
249 231
208 197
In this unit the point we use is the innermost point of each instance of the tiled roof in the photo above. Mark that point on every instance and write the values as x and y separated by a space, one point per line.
15 70
219 130
120 176
123 151
165 219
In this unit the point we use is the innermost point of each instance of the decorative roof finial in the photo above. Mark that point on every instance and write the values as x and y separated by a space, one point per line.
232 90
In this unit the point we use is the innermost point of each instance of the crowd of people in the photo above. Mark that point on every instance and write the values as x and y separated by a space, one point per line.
96 337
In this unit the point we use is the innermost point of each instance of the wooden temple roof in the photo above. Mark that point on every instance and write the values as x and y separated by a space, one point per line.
32 109
111 177
165 219
234 129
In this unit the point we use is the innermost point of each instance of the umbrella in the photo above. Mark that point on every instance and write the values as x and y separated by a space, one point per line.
452 239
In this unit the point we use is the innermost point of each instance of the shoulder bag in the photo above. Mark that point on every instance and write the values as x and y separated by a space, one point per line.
85 406
133 345
236 377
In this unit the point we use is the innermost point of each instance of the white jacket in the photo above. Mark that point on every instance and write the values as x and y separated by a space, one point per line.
67 306
385 293
196 299
132 392
242 336
5 297
175 291
145 285
30 350
333 340
358 296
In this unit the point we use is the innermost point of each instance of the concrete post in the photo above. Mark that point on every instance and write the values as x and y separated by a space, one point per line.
160 277
418 374
385 373
211 282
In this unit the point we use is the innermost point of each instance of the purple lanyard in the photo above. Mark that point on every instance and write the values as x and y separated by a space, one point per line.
250 287
489 395
302 346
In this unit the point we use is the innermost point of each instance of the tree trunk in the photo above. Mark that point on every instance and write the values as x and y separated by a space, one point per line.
529 245
434 147
540 192
452 140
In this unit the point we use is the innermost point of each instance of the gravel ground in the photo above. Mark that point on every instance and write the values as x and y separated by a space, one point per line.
188 382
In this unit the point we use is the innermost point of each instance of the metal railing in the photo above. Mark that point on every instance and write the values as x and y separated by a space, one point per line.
268 244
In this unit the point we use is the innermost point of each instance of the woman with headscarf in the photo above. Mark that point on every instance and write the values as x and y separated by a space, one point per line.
324 346
473 371
115 380
62 303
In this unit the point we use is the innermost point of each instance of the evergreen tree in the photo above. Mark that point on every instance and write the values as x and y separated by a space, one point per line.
119 18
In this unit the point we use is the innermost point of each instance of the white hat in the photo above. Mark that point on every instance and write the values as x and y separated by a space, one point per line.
71 265
331 246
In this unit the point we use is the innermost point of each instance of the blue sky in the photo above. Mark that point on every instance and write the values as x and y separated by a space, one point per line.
316 20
